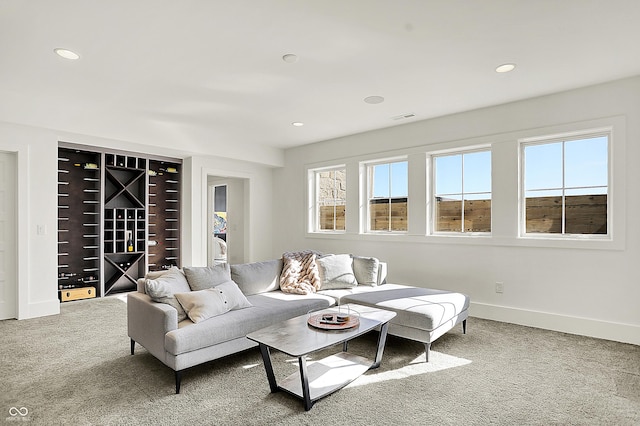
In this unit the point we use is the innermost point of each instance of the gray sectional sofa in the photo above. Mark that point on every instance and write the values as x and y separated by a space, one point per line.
157 319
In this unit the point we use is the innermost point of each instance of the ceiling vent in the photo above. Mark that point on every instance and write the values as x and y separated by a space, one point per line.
403 116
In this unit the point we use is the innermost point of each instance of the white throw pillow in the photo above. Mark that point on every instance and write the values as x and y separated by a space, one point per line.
336 271
235 297
203 304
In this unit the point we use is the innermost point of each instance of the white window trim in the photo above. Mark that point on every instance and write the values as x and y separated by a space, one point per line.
431 214
313 217
564 137
365 214
505 191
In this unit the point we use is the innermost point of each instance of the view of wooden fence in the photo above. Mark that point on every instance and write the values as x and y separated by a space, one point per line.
585 214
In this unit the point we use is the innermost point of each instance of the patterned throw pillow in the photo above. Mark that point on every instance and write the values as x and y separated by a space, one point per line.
300 272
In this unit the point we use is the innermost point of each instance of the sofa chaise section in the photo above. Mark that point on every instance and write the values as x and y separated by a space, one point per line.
422 314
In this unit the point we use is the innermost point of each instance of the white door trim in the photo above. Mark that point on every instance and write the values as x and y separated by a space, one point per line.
9 289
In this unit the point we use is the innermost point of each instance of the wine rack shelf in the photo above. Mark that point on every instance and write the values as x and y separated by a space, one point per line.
78 221
118 217
164 215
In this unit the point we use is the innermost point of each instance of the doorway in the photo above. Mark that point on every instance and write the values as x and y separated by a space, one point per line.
8 242
226 214
219 221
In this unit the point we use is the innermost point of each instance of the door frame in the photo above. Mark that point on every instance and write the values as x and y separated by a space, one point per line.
21 155
206 172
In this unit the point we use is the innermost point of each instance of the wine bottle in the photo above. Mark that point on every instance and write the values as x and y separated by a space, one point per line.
129 242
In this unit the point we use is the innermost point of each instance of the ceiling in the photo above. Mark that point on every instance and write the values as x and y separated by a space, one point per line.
203 75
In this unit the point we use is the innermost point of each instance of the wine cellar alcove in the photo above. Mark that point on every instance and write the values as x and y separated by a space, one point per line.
118 218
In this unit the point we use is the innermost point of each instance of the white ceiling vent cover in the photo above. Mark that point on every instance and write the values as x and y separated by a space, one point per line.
403 116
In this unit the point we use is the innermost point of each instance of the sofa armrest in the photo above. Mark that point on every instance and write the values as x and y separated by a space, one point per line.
148 322
382 273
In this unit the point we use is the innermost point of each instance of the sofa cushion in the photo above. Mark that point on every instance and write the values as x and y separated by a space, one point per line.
257 277
268 308
366 270
416 307
203 277
163 288
336 271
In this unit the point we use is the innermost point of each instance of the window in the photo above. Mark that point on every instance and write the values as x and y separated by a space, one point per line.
462 192
566 186
330 199
387 191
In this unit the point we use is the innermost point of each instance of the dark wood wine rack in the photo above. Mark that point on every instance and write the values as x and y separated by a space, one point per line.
103 198
78 219
124 214
164 215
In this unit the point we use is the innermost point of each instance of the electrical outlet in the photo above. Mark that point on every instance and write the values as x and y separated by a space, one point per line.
499 287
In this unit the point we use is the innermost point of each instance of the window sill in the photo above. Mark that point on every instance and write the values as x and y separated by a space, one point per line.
476 239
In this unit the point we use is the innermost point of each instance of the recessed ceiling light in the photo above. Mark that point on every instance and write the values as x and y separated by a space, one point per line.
506 68
290 58
297 124
374 99
65 53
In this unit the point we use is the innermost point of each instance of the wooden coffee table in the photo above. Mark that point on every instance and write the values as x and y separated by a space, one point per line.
295 337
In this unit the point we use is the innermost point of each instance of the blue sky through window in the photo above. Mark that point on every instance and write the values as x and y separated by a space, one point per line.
468 173
391 180
585 165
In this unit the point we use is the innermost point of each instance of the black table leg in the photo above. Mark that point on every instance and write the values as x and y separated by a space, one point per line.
306 397
266 358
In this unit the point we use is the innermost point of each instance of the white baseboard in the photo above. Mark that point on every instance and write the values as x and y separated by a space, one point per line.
40 309
625 333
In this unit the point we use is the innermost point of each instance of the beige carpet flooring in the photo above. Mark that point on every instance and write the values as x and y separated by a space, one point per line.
75 369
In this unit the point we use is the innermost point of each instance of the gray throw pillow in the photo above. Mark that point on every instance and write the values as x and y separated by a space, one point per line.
163 288
257 277
203 277
203 304
366 270
336 271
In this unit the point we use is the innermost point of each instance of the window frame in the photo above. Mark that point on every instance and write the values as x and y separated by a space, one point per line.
367 191
563 138
314 192
432 211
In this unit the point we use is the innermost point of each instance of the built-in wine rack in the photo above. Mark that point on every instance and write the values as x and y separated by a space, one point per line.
164 215
118 217
78 223
124 221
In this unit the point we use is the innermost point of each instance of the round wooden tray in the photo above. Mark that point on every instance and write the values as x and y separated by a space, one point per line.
323 322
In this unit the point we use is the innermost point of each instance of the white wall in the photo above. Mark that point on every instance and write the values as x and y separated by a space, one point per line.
37 153
564 287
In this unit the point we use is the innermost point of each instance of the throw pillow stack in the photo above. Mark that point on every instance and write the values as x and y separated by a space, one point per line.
309 272
199 293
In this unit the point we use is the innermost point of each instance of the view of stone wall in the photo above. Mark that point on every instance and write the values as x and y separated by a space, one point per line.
586 214
332 187
332 197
